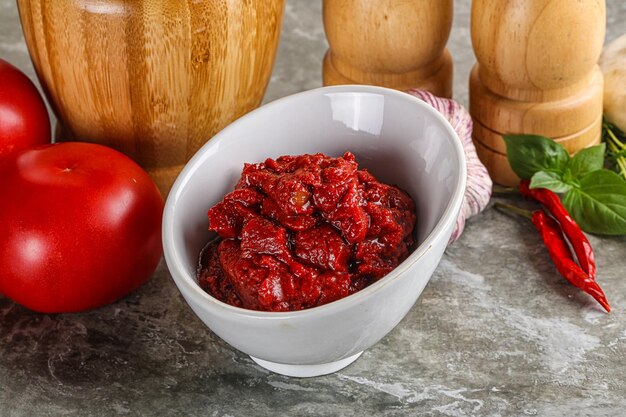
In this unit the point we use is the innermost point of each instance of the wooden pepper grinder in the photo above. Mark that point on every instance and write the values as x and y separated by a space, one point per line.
391 43
537 73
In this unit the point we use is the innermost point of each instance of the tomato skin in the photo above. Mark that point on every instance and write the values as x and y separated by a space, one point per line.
80 227
24 120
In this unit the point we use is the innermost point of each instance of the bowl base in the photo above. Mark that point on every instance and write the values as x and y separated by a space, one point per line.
306 371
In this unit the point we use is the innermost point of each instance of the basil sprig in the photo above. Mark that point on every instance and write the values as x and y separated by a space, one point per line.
595 197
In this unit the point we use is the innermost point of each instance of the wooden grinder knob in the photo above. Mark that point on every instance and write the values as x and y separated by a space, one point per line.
391 43
536 74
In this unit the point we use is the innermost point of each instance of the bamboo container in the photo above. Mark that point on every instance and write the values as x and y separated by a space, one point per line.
154 79
536 74
391 43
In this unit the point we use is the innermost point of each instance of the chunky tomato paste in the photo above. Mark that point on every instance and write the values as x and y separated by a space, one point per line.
302 231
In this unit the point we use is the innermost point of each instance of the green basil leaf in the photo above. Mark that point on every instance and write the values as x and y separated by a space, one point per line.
551 180
529 154
586 160
599 203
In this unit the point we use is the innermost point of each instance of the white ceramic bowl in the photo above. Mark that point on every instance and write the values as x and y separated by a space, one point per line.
400 139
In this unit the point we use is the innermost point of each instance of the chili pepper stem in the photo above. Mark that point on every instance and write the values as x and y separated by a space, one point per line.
513 209
500 190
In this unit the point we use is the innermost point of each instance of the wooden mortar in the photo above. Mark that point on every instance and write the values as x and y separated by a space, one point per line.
536 74
154 79
395 44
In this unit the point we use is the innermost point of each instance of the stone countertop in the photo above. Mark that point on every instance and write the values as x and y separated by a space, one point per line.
497 332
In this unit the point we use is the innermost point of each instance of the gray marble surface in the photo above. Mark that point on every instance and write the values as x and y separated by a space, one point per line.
496 332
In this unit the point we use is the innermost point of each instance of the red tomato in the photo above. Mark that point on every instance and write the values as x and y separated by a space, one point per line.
24 120
80 227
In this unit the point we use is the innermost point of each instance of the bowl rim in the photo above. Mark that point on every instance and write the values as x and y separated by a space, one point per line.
173 256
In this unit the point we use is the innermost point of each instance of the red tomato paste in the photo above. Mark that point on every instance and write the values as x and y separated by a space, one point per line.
302 231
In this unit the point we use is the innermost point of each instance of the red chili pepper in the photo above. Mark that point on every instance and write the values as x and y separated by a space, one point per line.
574 234
560 253
562 257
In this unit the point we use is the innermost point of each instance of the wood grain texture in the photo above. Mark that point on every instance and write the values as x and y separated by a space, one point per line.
537 50
553 118
393 43
587 137
153 79
537 73
497 165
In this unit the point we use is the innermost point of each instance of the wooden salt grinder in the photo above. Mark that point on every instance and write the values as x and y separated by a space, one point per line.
536 74
391 43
